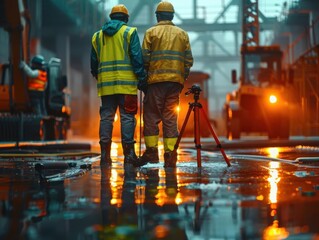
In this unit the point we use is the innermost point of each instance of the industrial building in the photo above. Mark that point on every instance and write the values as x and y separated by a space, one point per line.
255 75
63 29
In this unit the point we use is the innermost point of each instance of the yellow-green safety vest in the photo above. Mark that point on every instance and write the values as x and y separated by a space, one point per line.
115 72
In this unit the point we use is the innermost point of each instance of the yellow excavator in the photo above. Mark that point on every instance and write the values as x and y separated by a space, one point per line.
18 122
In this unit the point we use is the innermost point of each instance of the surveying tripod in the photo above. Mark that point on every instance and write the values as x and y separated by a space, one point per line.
195 107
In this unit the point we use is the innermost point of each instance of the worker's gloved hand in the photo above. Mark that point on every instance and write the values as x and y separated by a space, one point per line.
142 85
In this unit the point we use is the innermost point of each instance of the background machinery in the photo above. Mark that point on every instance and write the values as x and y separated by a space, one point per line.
17 120
260 103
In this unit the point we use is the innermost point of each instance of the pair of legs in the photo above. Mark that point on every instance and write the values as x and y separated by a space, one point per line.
127 105
38 102
160 105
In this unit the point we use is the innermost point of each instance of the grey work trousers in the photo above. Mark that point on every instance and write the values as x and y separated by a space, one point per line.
160 105
127 105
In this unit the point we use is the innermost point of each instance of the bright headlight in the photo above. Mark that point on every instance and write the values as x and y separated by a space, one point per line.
273 99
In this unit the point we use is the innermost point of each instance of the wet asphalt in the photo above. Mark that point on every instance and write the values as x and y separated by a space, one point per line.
270 191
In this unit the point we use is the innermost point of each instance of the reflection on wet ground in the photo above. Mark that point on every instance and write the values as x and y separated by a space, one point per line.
265 194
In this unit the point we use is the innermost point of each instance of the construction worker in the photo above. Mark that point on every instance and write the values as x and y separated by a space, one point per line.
37 82
117 64
167 59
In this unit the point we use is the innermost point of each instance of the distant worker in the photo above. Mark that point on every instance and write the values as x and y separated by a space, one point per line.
167 59
117 64
37 82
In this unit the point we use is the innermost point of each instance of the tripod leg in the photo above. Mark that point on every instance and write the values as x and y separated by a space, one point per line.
183 127
216 138
197 136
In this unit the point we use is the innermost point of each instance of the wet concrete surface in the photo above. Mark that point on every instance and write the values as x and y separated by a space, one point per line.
266 193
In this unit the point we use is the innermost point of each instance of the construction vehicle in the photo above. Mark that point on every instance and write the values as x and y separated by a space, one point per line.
17 120
260 102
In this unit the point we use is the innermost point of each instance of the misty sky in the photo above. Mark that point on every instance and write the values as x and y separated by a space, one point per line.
212 8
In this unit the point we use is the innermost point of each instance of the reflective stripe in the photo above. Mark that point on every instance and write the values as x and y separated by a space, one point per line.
108 63
169 144
167 52
38 83
181 59
162 71
115 68
114 83
151 141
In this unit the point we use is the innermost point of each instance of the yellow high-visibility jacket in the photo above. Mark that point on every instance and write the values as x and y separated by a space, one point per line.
115 73
167 53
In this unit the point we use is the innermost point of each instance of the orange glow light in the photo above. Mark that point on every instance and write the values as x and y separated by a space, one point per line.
275 232
273 99
178 199
161 231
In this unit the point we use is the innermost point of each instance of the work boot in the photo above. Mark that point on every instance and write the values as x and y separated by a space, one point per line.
129 153
170 159
149 156
106 154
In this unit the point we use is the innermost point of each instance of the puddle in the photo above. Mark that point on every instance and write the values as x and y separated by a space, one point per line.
249 200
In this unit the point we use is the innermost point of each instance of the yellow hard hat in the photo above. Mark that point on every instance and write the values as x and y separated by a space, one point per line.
119 9
165 7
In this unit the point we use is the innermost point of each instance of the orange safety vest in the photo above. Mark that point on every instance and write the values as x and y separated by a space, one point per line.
38 83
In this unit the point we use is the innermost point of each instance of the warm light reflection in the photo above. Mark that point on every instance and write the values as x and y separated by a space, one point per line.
160 149
273 180
116 117
140 189
274 231
161 175
116 185
178 109
178 179
114 149
274 165
161 195
161 231
178 198
273 152
230 114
